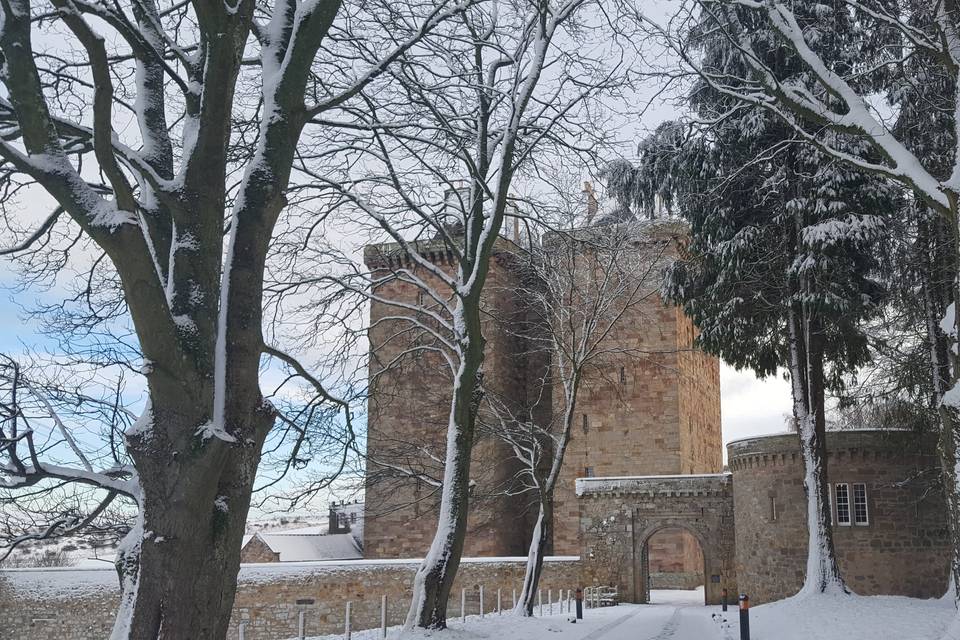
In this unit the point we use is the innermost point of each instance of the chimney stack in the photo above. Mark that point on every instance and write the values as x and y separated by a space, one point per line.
591 201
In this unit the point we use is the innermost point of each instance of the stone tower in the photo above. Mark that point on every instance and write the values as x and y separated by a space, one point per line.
658 414
408 413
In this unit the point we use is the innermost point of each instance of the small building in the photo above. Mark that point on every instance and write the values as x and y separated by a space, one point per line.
299 545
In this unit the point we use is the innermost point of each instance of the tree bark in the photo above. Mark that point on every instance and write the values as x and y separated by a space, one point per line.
178 565
938 246
538 547
434 579
806 374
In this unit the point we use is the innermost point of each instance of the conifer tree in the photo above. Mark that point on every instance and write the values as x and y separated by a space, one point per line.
781 269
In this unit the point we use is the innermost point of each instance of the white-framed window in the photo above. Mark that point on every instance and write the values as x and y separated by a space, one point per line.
842 498
861 513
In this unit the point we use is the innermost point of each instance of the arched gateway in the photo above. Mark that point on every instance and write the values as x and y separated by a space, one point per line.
618 516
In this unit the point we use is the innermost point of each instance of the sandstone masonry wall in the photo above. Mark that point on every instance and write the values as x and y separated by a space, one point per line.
409 411
618 516
650 414
904 550
81 604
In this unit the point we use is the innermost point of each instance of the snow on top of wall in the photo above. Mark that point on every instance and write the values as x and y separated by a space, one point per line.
41 583
644 483
764 436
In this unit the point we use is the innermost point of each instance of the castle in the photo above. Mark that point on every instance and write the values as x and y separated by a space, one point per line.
653 415
643 499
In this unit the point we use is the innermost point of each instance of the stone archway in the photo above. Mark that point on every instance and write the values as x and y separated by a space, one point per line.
641 554
618 516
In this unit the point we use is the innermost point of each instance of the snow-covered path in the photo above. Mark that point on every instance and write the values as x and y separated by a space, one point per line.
676 615
673 615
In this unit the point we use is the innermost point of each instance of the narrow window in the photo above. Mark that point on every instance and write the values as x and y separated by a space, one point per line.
843 504
353 517
773 509
586 423
623 375
588 472
861 515
830 506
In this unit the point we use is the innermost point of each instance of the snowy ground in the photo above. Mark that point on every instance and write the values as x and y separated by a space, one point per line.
844 618
680 615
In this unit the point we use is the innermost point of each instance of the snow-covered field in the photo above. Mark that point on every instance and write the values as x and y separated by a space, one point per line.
680 615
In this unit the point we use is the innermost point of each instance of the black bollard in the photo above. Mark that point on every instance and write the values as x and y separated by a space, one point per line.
744 617
579 603
723 599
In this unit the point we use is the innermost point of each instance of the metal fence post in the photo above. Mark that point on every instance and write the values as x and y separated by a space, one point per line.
549 602
346 623
463 605
301 626
513 603
241 631
744 617
481 601
540 602
579 596
499 610
383 615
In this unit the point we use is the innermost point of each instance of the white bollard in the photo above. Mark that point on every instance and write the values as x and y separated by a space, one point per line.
346 622
499 610
540 602
383 615
463 605
481 602
241 632
301 627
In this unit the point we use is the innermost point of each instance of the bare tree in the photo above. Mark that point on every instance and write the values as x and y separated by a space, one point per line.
583 285
507 92
155 126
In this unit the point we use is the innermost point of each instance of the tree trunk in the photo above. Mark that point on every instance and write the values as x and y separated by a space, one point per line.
538 547
178 566
434 578
806 374
939 266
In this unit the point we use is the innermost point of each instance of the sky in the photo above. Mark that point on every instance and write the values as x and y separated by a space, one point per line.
748 406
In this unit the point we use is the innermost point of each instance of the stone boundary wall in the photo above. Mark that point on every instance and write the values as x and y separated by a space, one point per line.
79 604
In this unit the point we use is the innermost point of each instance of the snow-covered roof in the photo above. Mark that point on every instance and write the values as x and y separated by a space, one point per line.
302 547
314 530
